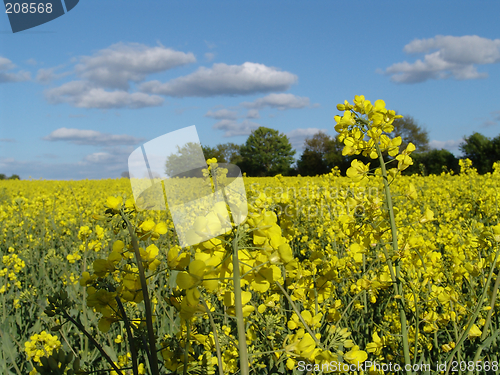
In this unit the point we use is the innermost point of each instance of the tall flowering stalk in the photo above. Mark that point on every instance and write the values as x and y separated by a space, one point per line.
363 128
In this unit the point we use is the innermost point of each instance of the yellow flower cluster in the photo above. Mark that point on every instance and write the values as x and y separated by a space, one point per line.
41 345
12 266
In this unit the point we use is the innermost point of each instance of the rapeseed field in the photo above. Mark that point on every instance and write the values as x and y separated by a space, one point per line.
371 273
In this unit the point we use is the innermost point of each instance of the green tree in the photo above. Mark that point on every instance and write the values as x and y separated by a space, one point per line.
266 152
495 149
480 150
186 161
321 154
409 131
433 162
13 177
224 153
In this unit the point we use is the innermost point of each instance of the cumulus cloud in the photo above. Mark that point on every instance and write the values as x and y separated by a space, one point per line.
84 94
222 114
116 66
451 144
222 79
232 128
446 57
253 113
48 75
5 77
298 136
91 137
108 163
45 75
105 76
279 101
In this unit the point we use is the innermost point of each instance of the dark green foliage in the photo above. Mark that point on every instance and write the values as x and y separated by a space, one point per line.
224 153
432 162
321 154
188 161
409 131
267 152
481 150
13 177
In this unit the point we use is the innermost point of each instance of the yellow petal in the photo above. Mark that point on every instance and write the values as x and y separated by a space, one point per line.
185 280
161 228
197 268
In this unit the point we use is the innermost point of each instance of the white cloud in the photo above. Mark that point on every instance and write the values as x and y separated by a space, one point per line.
6 64
109 162
451 144
7 140
49 75
5 77
114 68
119 64
222 114
279 101
446 57
232 128
45 75
253 113
298 136
91 137
223 79
83 94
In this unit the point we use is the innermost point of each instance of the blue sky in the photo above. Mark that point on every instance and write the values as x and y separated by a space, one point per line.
80 93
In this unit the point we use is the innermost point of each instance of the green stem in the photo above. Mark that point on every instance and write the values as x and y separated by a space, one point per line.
130 337
242 340
153 363
91 338
492 307
397 281
13 359
216 336
299 315
186 347
476 312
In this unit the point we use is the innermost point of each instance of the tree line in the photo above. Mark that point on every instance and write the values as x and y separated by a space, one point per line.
267 152
13 177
